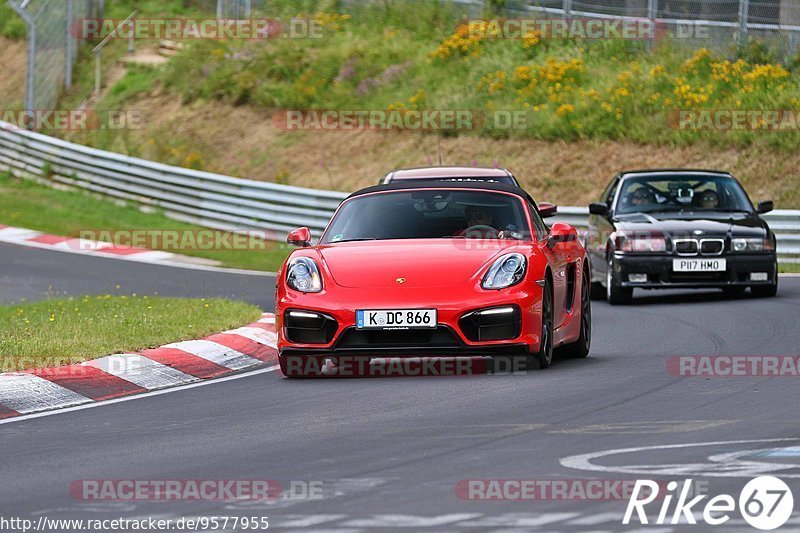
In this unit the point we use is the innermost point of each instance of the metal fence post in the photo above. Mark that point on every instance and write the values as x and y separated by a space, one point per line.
652 9
567 8
219 9
652 13
30 76
70 52
744 13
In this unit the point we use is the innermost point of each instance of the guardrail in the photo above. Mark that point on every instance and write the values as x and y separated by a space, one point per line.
204 198
223 202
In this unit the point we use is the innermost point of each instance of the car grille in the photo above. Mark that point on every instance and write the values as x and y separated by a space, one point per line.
685 246
699 246
441 337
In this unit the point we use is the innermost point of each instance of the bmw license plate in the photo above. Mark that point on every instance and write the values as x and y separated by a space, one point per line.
396 319
699 265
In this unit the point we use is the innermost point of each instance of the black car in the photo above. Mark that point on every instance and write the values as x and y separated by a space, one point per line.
666 229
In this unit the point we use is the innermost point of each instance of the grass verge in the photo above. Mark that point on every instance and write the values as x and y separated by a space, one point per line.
68 213
789 268
63 331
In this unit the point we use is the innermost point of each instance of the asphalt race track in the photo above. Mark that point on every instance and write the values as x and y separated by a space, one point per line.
386 454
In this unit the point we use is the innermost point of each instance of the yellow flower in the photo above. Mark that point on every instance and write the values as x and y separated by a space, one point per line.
565 109
531 39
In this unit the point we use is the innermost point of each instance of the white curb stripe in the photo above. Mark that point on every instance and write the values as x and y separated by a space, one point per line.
258 335
216 353
267 320
141 371
17 234
26 393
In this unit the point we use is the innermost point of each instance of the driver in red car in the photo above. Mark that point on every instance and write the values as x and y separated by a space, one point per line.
479 222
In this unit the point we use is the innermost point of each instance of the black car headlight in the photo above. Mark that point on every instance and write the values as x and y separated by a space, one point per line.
302 275
756 244
506 271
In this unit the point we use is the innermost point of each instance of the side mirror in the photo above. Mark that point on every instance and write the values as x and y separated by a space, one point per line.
547 210
598 209
299 237
765 207
561 232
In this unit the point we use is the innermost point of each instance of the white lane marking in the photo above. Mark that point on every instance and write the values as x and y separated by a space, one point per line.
179 388
520 519
744 469
26 393
398 520
146 256
216 353
596 519
308 521
258 335
141 371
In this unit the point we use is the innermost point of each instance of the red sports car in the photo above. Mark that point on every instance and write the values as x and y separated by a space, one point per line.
434 269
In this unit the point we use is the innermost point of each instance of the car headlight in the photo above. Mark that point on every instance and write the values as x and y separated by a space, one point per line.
757 244
302 275
506 271
640 243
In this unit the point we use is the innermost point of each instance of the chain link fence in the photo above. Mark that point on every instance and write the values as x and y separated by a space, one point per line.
719 24
52 46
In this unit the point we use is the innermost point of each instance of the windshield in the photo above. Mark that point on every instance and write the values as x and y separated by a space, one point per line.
429 214
648 194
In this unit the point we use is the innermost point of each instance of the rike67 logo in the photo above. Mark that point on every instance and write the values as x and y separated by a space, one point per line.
765 503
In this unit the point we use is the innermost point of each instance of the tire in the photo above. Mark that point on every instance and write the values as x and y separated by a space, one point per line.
765 291
615 293
542 359
597 291
295 366
580 348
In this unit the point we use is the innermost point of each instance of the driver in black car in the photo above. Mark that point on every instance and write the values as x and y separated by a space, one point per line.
642 197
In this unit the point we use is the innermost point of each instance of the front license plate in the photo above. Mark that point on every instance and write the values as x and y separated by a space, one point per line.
699 265
396 319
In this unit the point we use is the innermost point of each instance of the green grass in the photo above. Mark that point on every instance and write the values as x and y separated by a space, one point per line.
391 54
11 25
789 268
63 331
68 213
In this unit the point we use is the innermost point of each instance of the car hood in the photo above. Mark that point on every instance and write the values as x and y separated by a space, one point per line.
713 224
421 263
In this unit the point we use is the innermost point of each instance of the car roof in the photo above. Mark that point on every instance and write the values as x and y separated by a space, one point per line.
448 172
685 171
422 184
